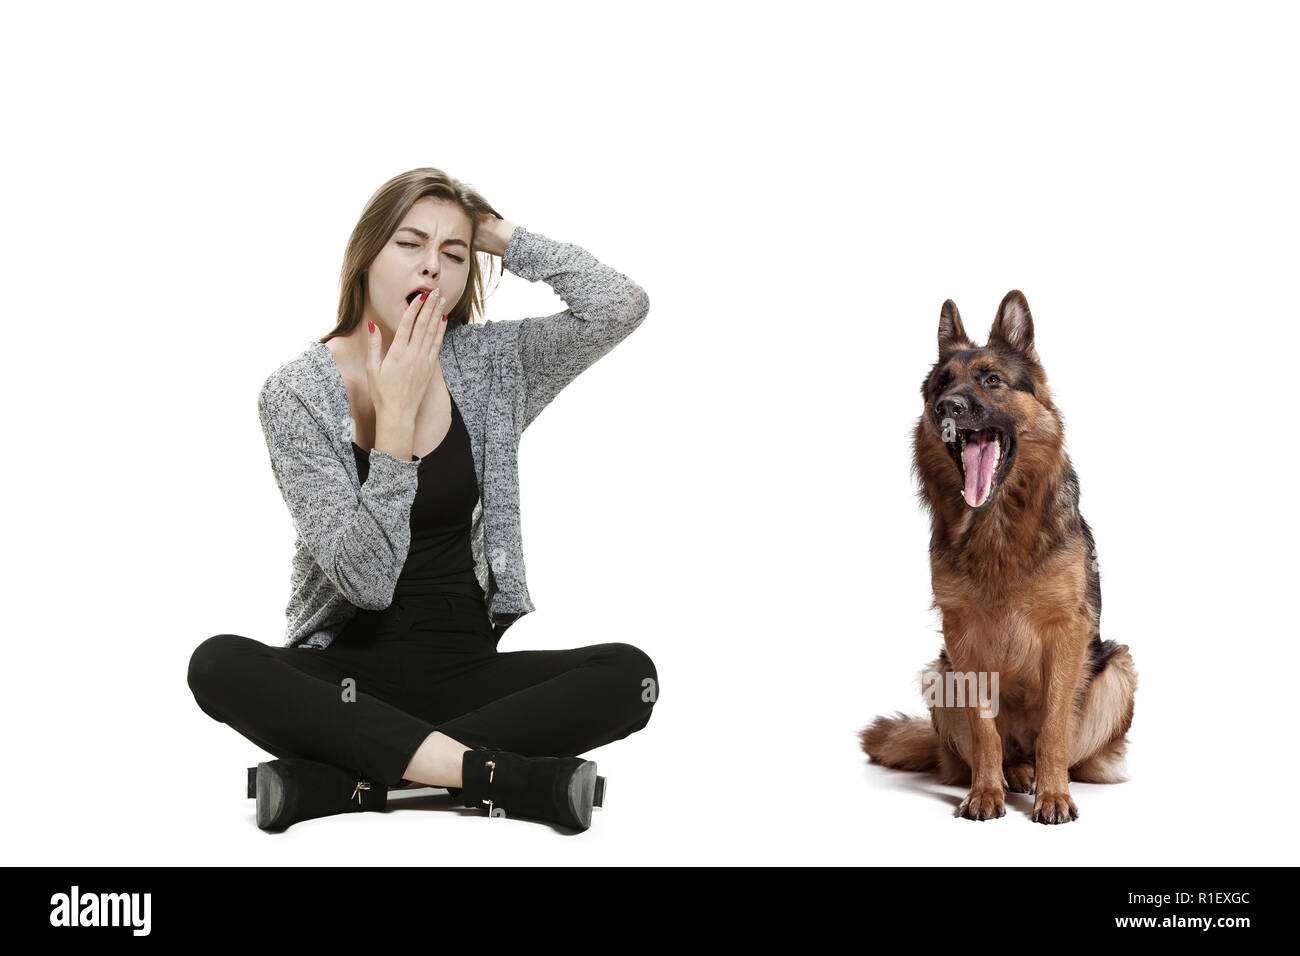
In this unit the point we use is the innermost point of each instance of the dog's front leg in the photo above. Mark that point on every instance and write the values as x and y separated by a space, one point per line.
1064 648
985 800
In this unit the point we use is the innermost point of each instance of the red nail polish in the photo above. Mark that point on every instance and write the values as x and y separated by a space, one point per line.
444 317
372 326
423 296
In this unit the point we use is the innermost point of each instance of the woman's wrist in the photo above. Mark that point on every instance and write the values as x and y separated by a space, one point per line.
395 435
493 235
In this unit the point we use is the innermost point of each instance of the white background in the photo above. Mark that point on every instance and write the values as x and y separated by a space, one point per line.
798 188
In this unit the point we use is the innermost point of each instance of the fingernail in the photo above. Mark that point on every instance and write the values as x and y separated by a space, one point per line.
423 296
372 326
444 317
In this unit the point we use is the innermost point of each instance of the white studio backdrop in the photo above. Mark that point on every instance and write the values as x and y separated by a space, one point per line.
798 190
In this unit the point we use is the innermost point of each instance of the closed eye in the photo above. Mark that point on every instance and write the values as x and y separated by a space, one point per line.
412 245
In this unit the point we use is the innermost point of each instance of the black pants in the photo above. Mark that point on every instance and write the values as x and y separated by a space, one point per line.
419 665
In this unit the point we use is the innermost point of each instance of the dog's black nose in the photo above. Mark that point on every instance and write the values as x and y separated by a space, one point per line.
950 406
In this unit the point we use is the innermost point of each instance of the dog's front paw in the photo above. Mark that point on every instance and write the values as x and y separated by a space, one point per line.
1054 808
982 805
1020 777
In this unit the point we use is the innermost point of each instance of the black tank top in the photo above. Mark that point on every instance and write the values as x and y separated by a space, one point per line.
440 560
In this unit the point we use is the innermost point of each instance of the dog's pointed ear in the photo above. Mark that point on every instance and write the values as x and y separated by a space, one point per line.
951 334
1014 326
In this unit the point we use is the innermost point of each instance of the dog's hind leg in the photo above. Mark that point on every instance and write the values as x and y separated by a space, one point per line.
955 745
1097 738
1107 766
1020 777
952 768
954 755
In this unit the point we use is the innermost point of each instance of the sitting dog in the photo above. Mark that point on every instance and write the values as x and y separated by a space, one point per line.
1014 573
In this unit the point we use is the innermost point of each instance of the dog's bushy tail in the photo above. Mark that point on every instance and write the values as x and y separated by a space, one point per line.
907 743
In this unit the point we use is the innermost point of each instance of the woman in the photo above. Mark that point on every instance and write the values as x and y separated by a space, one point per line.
393 441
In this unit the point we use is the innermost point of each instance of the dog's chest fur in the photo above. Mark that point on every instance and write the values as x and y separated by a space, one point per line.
1002 625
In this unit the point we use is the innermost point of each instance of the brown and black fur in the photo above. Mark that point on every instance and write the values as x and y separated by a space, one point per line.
1017 585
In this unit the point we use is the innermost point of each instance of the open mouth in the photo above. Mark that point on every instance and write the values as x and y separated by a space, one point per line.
414 293
983 456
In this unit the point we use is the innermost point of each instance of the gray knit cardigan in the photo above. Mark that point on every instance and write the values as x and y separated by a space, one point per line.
352 539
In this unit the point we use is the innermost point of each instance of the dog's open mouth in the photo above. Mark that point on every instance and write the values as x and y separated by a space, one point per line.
982 455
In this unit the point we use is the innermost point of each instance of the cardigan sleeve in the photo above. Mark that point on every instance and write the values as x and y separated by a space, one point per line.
360 543
604 306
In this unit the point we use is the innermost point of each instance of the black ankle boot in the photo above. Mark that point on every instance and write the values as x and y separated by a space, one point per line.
290 790
559 790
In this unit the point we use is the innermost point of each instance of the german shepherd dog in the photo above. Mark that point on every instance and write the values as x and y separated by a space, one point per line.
1014 572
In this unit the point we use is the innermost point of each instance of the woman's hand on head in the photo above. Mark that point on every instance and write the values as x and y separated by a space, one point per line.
492 234
400 378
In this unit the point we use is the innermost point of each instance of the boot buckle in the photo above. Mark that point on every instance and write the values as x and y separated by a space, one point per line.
361 785
492 770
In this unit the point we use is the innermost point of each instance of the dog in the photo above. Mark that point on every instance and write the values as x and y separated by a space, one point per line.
1014 573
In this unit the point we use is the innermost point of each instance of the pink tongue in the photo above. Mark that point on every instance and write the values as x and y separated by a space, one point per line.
977 456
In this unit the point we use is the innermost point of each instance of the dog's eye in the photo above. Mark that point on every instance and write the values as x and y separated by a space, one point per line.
993 380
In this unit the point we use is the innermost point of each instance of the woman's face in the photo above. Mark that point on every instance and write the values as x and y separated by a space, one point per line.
429 249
